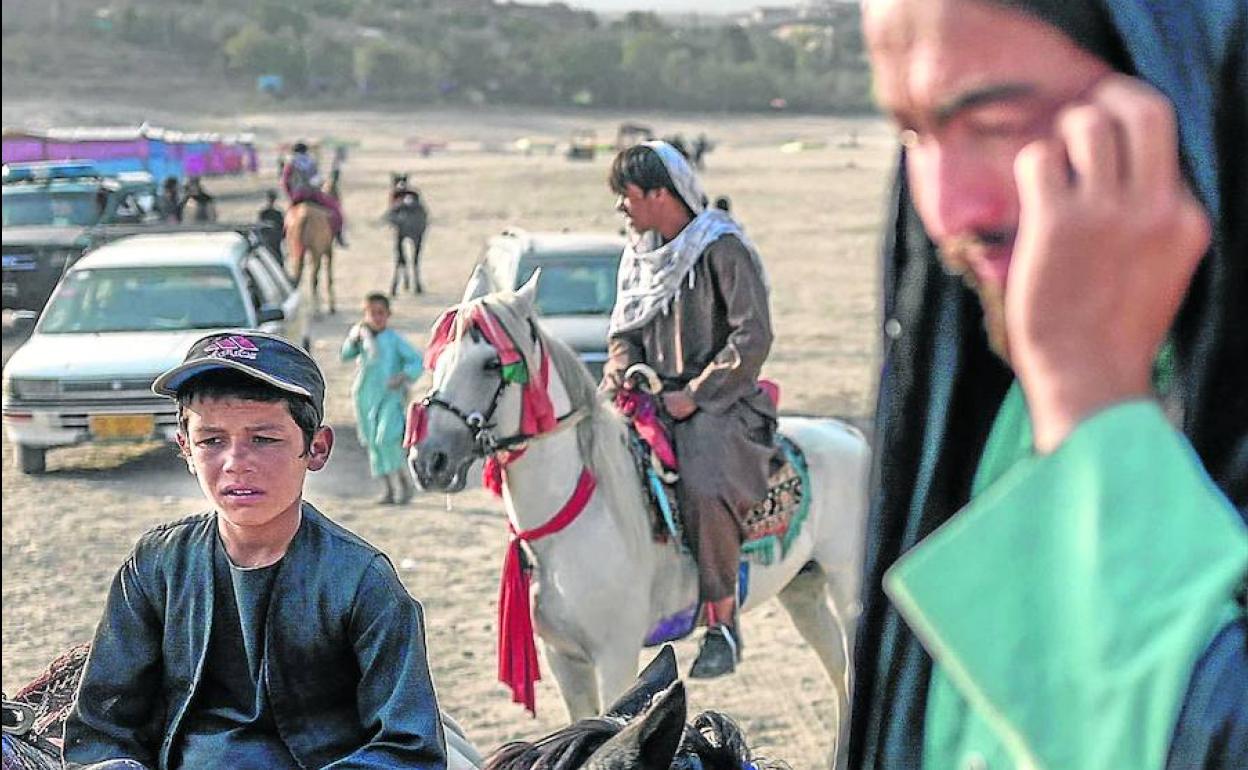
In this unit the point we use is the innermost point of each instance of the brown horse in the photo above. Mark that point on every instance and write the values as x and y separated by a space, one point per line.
309 234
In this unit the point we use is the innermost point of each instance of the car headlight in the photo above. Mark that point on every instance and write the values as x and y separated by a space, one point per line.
21 387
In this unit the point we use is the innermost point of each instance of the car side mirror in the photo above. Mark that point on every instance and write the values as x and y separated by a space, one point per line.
270 313
24 320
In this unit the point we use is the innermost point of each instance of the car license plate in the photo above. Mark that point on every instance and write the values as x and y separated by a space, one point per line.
119 426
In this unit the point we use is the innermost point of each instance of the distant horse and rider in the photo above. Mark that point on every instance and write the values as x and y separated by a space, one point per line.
410 218
608 577
313 222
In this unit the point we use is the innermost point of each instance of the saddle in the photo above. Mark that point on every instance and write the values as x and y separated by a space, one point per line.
770 526
34 720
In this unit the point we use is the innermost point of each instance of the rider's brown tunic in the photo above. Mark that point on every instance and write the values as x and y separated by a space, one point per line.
713 340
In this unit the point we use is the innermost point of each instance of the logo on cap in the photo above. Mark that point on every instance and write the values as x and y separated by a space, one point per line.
233 346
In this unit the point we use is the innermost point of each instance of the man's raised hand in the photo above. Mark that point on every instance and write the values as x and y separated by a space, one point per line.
1109 237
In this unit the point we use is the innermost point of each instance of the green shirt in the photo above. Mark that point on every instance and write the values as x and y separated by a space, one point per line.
1066 605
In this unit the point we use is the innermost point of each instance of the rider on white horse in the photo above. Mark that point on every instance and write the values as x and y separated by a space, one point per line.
692 305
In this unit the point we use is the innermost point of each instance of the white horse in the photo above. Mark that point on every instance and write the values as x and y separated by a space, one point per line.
603 582
460 753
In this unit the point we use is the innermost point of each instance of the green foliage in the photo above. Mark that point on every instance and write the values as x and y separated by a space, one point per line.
274 17
733 45
472 60
331 64
388 70
584 63
253 52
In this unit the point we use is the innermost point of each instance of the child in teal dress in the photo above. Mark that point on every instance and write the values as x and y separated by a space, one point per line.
387 365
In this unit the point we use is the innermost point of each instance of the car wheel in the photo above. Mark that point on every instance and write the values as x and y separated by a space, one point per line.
32 460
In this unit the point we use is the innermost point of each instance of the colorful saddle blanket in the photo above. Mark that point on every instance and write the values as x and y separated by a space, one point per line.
770 526
34 721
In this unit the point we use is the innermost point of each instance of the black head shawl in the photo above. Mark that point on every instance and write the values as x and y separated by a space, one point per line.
940 387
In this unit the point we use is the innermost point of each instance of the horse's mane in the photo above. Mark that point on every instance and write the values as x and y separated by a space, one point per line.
713 738
561 750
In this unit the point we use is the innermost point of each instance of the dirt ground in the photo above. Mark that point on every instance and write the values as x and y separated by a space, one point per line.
815 216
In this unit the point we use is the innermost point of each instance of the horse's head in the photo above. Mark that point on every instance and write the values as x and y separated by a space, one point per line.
650 741
483 362
644 730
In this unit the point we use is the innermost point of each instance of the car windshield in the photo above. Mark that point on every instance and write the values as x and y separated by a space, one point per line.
140 299
48 207
573 286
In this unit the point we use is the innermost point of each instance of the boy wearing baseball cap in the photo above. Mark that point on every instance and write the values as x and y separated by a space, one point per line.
260 633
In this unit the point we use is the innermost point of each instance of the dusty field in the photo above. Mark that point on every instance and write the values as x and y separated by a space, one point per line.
815 216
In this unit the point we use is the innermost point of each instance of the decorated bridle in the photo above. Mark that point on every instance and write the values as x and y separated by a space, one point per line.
480 424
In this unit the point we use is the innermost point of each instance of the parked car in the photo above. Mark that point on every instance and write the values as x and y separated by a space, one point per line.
49 209
576 291
583 145
123 314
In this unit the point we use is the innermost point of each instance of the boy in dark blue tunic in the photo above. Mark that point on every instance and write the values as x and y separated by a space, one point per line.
259 634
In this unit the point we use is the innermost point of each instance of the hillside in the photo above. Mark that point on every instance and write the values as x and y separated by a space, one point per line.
221 55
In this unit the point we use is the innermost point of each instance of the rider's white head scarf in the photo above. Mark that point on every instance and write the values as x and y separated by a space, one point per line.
653 273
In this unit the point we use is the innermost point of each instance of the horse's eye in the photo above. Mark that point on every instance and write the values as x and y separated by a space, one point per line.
493 365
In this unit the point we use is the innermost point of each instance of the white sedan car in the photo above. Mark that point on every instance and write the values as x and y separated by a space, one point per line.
123 314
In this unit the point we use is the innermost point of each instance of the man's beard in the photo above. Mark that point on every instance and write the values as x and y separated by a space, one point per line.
955 256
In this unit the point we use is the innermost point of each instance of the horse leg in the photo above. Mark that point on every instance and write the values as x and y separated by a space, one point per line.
399 263
577 684
417 242
617 666
296 258
315 269
805 598
329 279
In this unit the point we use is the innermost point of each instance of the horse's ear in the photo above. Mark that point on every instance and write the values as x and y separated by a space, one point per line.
528 292
648 742
478 285
654 678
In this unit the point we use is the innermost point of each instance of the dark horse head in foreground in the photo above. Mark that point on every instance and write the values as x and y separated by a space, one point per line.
644 730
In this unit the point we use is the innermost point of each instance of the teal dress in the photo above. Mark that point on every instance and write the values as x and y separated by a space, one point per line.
379 410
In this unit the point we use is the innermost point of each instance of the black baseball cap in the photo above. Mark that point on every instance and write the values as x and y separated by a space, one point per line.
266 357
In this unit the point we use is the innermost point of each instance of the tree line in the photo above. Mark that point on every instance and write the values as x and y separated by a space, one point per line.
422 51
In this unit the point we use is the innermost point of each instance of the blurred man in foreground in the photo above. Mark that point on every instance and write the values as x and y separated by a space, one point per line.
1065 383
